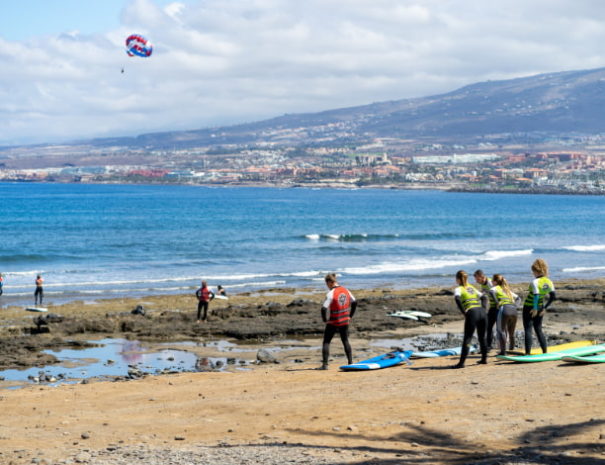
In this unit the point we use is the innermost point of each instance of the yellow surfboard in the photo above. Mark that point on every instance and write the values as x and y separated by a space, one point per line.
556 348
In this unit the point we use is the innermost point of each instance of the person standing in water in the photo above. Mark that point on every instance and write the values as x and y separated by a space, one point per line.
204 296
472 304
492 311
507 312
39 292
336 311
1 283
535 306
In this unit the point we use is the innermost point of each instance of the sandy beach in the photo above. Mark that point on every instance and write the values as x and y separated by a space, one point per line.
289 412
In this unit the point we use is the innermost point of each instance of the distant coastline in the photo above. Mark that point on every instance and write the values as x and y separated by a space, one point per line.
449 187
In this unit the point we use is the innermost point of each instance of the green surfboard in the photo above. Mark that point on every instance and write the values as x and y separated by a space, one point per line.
578 351
600 358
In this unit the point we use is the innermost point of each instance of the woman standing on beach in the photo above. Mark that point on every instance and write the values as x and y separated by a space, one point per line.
534 306
472 304
507 312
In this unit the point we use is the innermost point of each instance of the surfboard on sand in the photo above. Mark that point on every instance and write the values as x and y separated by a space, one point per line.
222 297
599 358
410 314
550 356
441 352
381 361
36 309
555 348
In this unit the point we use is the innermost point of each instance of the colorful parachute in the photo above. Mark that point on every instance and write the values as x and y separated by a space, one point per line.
138 45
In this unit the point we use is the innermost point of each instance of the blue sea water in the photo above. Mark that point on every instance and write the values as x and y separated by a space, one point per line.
99 241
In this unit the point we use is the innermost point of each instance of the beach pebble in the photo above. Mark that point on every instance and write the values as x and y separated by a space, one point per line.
85 435
264 356
83 457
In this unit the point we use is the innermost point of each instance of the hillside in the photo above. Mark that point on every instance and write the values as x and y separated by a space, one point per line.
555 104
537 108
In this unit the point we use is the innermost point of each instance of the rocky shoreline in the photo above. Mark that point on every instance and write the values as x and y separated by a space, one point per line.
262 318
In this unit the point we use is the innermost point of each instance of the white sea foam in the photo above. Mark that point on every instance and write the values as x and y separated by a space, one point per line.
499 254
421 264
581 269
585 248
411 265
258 284
313 237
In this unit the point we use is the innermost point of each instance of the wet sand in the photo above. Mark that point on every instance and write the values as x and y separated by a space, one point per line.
422 413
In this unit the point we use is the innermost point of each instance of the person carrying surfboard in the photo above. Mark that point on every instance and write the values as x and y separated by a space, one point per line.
535 306
204 296
39 292
471 303
507 312
336 311
492 312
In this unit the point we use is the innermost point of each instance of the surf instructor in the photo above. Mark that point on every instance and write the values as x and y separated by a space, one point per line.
204 296
336 311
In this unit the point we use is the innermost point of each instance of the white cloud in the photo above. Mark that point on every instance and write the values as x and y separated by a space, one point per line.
218 62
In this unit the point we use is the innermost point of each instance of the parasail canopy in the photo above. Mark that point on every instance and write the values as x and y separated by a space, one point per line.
137 45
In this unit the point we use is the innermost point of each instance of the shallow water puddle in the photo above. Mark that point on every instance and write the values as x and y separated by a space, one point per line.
422 342
111 359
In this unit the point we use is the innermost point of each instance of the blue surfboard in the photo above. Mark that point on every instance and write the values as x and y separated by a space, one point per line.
381 361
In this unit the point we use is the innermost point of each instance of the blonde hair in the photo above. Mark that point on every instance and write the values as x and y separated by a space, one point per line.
499 280
462 278
540 267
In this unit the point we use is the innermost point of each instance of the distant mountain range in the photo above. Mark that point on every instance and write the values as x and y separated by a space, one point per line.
542 106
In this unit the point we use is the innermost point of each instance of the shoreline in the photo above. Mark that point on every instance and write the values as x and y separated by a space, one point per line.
269 317
345 185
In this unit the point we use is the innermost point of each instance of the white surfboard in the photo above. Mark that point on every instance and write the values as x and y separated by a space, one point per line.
405 315
410 314
36 309
222 297
421 314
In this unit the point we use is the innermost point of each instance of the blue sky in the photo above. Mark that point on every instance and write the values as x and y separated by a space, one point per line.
24 19
218 62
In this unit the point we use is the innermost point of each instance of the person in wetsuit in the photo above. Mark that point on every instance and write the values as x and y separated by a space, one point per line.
220 290
507 312
39 292
492 312
471 303
336 311
204 296
541 295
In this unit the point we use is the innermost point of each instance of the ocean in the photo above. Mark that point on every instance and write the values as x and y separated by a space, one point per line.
102 241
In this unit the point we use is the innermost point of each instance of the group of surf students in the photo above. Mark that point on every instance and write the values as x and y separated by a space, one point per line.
493 304
496 304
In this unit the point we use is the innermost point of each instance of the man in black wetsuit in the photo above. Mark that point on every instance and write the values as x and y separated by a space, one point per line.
39 293
337 311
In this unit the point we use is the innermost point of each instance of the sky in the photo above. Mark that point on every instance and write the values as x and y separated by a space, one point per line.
222 62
